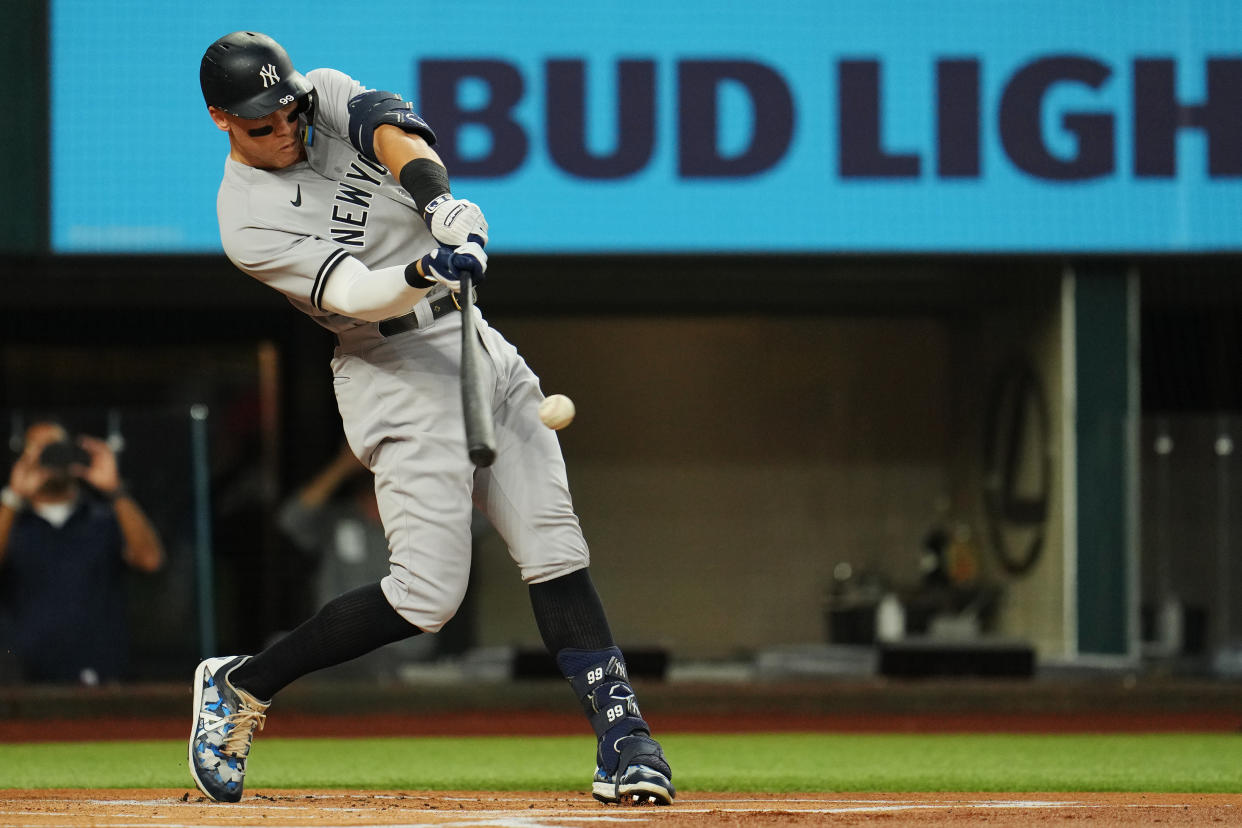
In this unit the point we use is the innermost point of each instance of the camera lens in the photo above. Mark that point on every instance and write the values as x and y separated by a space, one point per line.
61 455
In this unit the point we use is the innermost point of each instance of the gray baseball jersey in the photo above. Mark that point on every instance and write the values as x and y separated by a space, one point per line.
399 396
290 228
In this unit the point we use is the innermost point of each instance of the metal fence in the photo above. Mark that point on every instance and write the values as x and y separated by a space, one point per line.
1191 523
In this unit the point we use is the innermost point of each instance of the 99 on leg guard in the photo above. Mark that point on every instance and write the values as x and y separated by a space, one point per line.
630 765
602 684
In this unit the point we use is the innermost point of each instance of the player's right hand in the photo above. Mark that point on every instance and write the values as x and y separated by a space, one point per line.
455 221
471 258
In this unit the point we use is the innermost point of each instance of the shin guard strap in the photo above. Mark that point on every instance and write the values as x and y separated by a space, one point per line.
603 688
606 666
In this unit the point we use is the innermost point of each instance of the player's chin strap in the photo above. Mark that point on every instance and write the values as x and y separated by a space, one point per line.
602 684
306 106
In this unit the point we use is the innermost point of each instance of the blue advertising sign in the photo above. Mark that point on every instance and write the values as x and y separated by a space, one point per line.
807 126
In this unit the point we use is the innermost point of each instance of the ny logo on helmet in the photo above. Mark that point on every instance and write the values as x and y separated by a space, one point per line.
269 76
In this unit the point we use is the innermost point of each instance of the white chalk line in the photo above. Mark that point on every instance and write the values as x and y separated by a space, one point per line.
544 817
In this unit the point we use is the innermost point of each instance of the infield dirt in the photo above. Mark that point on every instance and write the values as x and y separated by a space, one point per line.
141 808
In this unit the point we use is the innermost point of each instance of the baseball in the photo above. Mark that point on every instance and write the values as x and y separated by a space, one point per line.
557 411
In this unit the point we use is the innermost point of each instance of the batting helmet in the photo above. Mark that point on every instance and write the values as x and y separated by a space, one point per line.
249 75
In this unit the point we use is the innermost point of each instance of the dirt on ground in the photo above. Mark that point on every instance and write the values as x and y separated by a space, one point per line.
140 808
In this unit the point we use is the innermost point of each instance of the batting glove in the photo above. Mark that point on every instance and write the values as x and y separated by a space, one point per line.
455 221
445 265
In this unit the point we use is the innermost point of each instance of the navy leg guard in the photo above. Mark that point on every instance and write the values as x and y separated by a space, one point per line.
630 764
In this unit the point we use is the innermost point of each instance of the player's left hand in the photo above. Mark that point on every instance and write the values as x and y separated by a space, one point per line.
455 221
446 264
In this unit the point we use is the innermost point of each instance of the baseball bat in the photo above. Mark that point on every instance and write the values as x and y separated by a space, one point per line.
480 431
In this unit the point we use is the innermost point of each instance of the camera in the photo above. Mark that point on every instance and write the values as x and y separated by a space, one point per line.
59 456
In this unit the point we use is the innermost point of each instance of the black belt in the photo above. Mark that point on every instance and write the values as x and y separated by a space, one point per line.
391 327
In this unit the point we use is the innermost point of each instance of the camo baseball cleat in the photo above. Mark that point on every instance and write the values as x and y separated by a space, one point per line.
225 719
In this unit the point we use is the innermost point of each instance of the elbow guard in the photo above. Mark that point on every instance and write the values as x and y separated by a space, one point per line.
370 109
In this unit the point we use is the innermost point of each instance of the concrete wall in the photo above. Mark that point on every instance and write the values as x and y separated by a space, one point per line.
1027 325
723 466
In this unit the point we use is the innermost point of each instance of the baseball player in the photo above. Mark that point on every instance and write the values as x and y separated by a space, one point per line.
334 196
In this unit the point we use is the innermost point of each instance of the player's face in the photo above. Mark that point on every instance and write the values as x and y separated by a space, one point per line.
270 143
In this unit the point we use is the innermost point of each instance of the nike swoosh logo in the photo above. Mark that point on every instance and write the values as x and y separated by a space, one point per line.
297 202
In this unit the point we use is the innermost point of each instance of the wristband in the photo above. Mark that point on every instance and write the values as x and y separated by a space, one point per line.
116 494
12 499
425 180
416 279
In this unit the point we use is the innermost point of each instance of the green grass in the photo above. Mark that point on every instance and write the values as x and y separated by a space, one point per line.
743 763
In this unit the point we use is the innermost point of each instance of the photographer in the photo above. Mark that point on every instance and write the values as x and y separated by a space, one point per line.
68 530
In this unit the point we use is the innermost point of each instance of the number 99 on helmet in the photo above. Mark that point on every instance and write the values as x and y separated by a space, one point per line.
250 75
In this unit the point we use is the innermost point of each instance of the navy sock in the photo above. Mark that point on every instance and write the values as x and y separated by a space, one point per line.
575 630
346 627
569 614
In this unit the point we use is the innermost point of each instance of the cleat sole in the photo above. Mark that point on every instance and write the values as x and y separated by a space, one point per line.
636 793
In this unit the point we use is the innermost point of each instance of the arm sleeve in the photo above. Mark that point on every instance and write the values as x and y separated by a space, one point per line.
357 291
320 275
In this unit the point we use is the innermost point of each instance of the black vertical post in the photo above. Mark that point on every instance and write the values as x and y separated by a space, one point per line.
24 137
1105 384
